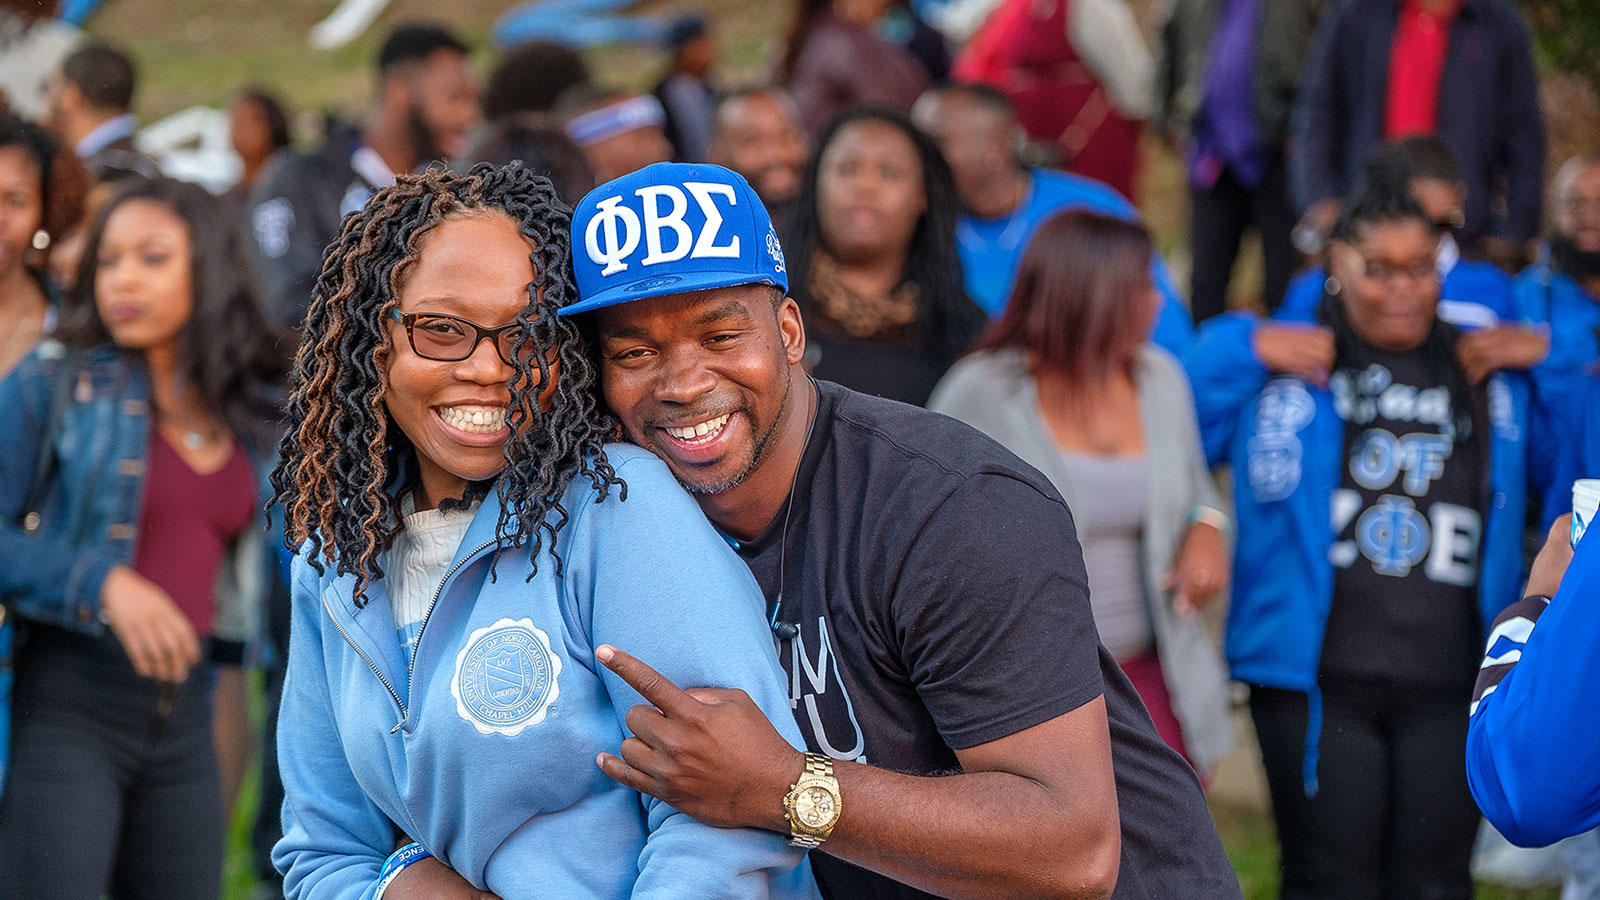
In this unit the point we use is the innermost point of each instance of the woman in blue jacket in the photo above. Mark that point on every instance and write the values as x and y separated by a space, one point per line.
468 539
130 525
1380 500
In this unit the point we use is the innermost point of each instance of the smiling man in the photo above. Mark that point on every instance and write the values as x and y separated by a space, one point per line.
926 591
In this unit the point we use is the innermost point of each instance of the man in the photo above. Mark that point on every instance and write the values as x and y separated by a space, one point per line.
1562 288
427 101
1226 76
1381 70
1004 201
969 733
1080 74
618 131
91 110
685 91
758 133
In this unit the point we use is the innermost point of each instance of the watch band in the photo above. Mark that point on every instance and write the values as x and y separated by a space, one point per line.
817 766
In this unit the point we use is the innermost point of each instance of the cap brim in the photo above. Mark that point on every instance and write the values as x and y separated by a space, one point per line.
664 286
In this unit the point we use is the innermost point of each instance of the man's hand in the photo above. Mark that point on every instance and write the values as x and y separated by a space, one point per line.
1201 570
710 753
430 879
1303 350
1544 579
1482 353
154 633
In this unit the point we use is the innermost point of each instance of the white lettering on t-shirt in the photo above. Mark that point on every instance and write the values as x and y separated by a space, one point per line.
817 677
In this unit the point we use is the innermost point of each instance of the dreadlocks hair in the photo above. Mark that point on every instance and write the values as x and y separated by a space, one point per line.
1384 202
343 462
947 320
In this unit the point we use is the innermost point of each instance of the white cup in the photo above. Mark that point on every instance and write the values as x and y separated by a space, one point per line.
1585 504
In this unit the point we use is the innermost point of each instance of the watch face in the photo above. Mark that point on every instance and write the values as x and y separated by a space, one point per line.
814 807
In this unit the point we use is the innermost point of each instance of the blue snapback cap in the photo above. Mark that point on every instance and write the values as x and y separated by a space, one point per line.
671 228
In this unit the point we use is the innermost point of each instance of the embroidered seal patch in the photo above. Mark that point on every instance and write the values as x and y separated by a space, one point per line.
506 677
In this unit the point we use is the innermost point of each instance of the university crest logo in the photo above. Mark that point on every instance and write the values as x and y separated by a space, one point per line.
506 677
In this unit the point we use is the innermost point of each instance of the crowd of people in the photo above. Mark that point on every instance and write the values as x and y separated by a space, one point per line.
873 364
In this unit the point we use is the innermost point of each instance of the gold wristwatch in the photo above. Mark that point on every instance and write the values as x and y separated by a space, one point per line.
813 803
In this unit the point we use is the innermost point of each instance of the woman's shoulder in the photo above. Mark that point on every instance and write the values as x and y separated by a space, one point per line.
986 375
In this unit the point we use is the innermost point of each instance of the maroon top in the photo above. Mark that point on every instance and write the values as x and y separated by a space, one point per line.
187 522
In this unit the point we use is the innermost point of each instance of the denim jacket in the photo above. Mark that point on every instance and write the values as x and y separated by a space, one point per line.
89 512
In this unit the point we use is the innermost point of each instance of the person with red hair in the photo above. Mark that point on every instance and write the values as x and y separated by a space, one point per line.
1067 380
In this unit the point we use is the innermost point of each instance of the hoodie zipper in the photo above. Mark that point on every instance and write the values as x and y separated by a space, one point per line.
370 664
428 614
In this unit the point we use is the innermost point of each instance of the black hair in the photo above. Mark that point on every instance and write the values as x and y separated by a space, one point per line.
63 183
947 318
343 461
684 29
542 146
531 78
985 95
1391 168
1380 203
229 353
272 109
104 74
414 42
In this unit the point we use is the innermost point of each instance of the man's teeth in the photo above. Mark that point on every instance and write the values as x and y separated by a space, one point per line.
701 433
482 419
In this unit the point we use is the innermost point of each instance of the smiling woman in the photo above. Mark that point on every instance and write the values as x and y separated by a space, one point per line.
445 436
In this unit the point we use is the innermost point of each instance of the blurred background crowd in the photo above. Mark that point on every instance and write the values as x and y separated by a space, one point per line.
1154 247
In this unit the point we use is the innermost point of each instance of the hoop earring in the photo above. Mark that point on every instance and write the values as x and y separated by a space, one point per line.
41 240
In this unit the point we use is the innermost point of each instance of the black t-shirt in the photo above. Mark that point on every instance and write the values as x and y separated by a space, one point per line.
1408 521
941 601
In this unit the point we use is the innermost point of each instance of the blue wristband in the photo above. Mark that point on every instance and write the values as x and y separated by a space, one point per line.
396 863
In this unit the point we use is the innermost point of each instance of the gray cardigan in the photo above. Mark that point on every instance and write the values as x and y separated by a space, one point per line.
995 393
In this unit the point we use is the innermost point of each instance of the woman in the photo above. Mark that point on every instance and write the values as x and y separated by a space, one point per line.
1067 381
844 53
873 259
468 538
1360 641
41 199
142 547
258 128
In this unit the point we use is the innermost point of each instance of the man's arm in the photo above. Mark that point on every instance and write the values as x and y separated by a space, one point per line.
1532 744
1033 813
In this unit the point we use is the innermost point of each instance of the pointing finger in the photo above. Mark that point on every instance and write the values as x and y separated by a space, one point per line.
651 685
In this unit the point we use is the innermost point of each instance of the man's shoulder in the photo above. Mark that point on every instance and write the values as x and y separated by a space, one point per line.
936 452
1055 190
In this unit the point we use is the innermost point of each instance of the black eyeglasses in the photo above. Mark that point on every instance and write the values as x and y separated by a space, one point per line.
451 338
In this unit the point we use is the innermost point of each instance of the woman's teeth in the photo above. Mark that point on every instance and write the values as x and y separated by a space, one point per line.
702 433
480 419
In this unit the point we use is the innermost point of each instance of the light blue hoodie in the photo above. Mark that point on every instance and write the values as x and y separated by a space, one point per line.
485 754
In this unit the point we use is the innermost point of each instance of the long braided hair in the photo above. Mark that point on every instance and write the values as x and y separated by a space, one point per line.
343 462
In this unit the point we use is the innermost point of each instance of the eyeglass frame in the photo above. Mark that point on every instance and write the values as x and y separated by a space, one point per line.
479 333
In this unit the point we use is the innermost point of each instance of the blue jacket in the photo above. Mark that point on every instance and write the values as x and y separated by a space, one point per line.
485 752
90 512
1472 292
989 267
1574 319
1488 109
1285 442
1533 745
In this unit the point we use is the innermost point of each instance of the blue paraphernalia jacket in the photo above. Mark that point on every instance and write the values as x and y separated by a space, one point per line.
485 752
1284 439
1533 748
